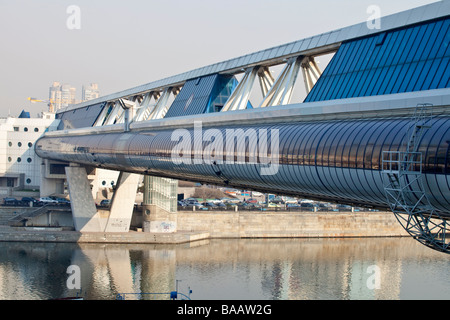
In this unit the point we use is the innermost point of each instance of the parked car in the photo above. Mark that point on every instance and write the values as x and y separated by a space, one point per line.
48 200
252 201
63 201
28 201
307 205
105 203
278 200
194 204
273 205
210 205
11 202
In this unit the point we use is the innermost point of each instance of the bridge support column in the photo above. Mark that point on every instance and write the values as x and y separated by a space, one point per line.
84 211
160 204
123 203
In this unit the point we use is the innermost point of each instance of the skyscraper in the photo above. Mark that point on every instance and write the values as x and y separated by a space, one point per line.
90 92
61 95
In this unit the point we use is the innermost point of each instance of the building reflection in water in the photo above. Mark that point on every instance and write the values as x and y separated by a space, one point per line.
287 269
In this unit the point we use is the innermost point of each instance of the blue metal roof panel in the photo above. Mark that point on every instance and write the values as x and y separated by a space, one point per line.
80 118
416 15
193 97
405 60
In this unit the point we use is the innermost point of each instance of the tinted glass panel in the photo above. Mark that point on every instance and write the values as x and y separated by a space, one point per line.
403 62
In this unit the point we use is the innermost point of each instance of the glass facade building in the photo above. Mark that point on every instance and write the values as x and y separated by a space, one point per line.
161 192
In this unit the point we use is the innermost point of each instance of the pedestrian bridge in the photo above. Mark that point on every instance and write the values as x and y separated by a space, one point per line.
373 127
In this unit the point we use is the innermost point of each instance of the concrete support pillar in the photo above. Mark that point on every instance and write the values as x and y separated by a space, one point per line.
84 211
122 204
49 186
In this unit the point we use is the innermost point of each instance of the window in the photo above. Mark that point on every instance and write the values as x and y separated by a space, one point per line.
10 182
9 159
28 181
57 169
36 129
10 144
19 159
30 144
29 160
19 144
16 128
25 129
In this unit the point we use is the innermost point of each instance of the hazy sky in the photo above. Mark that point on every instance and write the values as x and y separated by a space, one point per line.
123 44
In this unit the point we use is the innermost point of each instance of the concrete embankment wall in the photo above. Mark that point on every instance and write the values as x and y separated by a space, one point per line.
224 224
276 224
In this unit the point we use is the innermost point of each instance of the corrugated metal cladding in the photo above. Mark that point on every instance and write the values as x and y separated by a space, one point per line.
80 118
196 95
410 59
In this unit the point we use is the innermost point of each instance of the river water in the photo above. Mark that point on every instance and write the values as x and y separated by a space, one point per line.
227 269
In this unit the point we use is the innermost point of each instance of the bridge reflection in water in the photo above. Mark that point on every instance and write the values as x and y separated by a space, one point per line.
287 269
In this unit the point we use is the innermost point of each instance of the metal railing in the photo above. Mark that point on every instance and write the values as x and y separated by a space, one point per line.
405 191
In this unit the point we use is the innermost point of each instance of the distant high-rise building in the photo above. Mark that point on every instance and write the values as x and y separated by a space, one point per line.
61 96
90 92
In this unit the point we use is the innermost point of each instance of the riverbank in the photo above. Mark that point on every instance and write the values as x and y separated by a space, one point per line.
194 226
259 224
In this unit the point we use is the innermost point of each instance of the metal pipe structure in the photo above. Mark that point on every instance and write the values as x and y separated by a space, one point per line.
331 160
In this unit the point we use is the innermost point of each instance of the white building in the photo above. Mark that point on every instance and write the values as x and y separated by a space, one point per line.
22 170
19 165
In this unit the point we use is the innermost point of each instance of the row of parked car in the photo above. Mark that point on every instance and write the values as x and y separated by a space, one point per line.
254 204
224 203
33 202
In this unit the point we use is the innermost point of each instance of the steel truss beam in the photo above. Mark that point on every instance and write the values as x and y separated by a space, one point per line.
241 94
151 105
281 92
277 92
311 73
155 104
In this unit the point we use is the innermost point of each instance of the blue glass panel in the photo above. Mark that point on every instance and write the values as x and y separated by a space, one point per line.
361 83
80 118
357 51
439 73
403 62
426 43
416 75
380 59
433 43
405 81
445 42
391 76
423 75
431 74
395 51
445 75
415 45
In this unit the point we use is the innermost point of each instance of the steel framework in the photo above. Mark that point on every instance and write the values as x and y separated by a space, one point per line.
404 188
